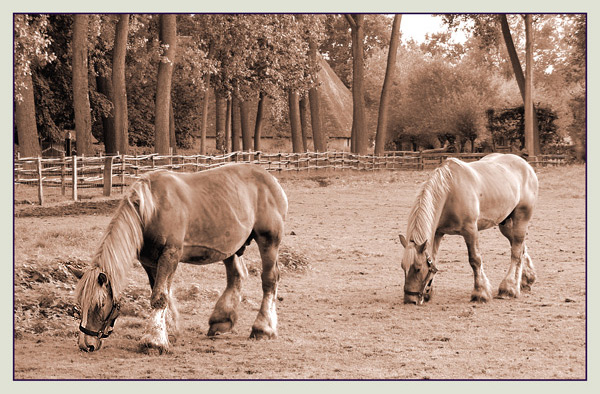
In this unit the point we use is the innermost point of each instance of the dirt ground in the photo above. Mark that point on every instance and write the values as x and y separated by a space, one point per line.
340 306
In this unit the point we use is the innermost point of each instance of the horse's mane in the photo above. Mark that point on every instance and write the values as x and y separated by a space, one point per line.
428 205
120 244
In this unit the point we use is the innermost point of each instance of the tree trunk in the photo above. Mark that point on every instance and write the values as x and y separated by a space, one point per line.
29 145
111 145
359 124
295 121
532 138
304 122
519 76
204 124
260 113
81 97
121 123
221 114
228 116
236 127
168 42
245 123
319 137
382 121
172 138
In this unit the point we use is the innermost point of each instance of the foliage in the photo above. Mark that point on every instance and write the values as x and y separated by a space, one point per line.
31 46
441 90
507 126
336 46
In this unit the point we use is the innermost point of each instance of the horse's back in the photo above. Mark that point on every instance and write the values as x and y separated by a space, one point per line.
216 210
490 189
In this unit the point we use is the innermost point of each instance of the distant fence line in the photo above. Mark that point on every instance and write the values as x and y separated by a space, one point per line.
109 172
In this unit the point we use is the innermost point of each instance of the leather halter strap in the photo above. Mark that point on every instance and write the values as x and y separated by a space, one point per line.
426 284
107 326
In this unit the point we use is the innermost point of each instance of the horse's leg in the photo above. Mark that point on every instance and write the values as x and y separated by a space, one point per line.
436 245
172 315
529 276
514 229
434 250
265 325
482 291
156 335
224 315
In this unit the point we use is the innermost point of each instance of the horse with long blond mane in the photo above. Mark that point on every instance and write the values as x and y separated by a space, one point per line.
198 218
462 199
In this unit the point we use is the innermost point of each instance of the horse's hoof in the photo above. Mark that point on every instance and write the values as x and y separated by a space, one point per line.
525 286
218 328
152 347
480 296
507 293
262 334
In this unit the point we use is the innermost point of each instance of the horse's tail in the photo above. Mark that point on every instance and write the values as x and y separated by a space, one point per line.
140 197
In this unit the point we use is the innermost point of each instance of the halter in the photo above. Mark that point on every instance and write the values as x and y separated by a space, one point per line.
426 285
107 326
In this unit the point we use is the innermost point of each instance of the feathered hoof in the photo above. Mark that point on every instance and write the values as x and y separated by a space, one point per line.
151 346
527 281
480 296
218 328
507 290
259 333
505 293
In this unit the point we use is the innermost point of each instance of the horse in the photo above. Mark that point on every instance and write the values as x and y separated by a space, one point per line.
197 218
462 198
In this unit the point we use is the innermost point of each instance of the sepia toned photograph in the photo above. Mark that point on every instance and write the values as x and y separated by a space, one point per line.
300 196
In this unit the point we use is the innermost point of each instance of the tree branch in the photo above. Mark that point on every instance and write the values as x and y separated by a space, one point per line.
350 20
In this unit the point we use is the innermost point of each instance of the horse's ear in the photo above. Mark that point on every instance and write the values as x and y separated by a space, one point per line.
75 271
403 240
102 279
421 248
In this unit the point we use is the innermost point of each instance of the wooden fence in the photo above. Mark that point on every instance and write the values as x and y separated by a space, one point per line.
109 172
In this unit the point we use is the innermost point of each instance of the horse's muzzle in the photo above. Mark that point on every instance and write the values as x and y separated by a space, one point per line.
89 343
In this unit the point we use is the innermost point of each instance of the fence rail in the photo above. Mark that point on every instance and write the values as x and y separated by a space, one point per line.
109 172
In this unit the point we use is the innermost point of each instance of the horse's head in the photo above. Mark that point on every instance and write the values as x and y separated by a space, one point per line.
419 271
98 309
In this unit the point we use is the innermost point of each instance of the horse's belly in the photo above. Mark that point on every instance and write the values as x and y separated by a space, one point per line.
200 255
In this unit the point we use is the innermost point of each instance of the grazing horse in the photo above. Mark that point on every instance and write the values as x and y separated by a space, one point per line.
461 199
197 218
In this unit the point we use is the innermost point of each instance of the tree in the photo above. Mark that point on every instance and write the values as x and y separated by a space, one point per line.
168 42
295 122
236 125
119 86
247 131
30 47
525 82
486 26
319 137
382 122
260 111
359 127
81 99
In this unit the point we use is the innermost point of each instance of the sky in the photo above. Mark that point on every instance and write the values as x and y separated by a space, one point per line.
417 25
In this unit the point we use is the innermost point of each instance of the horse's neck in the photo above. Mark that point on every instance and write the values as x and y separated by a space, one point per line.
426 214
120 245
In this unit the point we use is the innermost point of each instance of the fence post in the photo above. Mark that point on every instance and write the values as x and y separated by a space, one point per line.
63 163
108 160
122 173
40 181
74 178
